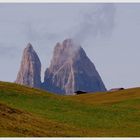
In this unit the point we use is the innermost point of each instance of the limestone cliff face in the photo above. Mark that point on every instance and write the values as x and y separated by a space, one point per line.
30 69
71 70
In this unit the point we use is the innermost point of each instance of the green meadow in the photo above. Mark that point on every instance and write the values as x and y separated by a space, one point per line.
27 112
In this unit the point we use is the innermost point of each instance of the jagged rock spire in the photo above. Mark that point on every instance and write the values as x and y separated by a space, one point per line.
30 68
71 70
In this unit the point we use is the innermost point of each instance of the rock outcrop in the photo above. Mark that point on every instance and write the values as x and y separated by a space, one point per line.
30 69
71 70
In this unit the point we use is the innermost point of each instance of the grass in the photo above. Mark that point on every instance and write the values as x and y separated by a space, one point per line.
110 114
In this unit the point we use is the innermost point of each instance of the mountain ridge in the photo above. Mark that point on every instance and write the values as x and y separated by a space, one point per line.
70 70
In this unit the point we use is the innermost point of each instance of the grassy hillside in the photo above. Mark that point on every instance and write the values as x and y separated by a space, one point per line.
31 112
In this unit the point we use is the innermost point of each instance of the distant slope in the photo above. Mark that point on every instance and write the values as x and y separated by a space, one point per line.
26 111
108 97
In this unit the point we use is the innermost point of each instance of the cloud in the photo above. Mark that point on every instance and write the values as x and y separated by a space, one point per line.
96 20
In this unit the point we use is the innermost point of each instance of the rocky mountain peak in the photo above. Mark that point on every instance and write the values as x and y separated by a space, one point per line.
29 46
66 51
30 68
71 70
68 47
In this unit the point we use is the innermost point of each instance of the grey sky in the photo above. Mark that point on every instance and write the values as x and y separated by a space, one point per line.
111 42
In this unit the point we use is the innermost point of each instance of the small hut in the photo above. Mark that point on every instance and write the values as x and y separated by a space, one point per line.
116 89
80 92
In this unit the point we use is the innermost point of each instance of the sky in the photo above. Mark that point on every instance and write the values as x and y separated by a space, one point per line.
109 34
